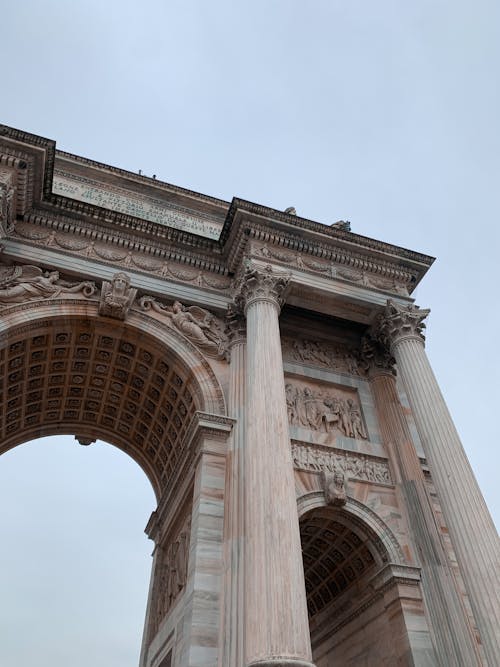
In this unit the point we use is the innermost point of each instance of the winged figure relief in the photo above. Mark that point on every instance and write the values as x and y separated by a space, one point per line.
27 283
197 324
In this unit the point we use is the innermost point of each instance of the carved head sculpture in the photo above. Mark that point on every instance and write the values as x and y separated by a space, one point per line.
177 307
121 282
53 276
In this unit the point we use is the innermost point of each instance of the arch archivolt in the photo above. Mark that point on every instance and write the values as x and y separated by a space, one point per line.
137 384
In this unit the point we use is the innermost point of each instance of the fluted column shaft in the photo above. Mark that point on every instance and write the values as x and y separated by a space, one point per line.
276 620
470 526
232 644
455 642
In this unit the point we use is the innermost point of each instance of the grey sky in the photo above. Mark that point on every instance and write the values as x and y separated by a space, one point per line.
383 113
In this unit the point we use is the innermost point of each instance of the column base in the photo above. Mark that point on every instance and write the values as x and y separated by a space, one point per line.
281 662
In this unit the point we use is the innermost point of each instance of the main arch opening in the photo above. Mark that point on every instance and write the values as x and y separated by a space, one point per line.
75 562
136 385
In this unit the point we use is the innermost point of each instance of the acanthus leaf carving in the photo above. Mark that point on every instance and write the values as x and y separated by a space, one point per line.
400 322
375 357
198 325
261 284
117 297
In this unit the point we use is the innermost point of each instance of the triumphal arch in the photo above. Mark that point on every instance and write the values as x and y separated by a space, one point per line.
268 373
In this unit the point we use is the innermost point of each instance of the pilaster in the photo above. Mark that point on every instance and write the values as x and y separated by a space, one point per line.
233 629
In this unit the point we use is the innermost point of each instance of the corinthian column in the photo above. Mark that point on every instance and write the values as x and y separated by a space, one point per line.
470 526
454 638
276 621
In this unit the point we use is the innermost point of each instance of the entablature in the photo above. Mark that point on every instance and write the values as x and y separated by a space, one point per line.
88 219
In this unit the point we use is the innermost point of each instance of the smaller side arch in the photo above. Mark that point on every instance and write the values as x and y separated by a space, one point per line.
361 515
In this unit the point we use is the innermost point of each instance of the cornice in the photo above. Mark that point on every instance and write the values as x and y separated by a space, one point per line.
337 233
163 248
245 222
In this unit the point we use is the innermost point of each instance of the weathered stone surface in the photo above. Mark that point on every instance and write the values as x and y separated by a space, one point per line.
296 524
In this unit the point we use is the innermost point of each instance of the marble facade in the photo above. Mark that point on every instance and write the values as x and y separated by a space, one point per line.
314 504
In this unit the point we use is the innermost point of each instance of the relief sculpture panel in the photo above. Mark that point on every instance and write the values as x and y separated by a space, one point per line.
339 358
172 572
324 409
326 460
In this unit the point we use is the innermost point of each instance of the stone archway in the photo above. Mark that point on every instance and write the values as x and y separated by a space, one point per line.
362 599
140 386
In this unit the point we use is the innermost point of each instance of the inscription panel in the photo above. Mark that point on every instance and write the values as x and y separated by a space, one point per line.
140 206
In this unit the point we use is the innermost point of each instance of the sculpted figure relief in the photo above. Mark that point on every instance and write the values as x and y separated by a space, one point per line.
27 283
321 411
197 324
117 297
323 459
335 357
173 567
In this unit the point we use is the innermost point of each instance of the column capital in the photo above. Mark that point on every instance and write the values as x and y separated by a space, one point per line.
400 322
235 326
261 284
376 357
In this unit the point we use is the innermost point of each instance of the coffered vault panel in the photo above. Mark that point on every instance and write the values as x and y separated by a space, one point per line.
90 380
335 557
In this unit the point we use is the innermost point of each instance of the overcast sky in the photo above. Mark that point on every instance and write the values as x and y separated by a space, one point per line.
385 114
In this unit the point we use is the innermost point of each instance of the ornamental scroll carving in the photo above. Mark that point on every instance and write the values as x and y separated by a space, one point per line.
335 357
197 324
322 459
325 411
172 571
22 283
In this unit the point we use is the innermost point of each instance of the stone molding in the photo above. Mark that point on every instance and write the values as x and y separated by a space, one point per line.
361 516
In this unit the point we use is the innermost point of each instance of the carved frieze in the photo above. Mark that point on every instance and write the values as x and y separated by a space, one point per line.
319 459
20 283
398 285
326 410
198 325
123 256
339 358
116 297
